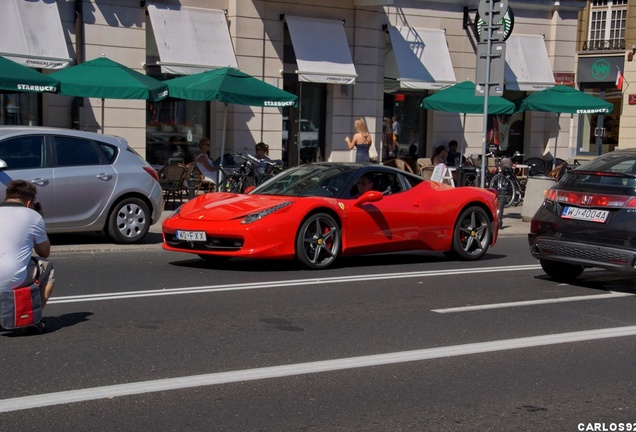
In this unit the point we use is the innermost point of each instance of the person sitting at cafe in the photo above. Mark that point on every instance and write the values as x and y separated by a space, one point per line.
204 163
439 155
454 158
262 154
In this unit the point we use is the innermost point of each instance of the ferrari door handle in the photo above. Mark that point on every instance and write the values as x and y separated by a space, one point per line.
104 176
40 182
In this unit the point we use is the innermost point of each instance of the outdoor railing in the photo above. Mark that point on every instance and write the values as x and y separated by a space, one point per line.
604 45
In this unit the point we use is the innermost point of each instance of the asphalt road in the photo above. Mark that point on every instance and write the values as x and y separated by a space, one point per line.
142 339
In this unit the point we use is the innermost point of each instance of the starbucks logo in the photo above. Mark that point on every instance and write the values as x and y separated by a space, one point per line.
506 23
600 69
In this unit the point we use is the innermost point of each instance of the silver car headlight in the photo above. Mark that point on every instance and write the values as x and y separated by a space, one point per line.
261 214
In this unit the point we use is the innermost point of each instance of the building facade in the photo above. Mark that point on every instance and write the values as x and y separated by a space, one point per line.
606 44
345 59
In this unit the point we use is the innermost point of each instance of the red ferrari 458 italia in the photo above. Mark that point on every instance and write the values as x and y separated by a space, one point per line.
320 211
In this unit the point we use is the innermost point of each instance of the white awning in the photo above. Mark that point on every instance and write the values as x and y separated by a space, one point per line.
322 51
419 59
527 64
190 40
31 34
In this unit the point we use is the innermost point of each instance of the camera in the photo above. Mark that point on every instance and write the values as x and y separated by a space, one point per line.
37 207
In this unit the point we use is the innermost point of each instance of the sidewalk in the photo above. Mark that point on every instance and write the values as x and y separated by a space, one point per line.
513 225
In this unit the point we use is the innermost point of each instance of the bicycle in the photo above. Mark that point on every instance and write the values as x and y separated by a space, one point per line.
507 183
249 173
474 179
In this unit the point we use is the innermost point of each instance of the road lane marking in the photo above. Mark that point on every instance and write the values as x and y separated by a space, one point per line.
611 294
105 392
277 284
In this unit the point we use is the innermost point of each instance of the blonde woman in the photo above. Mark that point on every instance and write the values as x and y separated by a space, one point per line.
204 163
361 141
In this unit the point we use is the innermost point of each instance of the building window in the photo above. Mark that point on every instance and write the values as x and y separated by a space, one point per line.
173 130
607 25
20 109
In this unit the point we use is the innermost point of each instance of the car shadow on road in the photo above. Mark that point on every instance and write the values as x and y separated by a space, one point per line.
97 238
601 280
53 323
268 266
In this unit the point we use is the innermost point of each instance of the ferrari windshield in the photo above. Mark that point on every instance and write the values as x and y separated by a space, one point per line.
309 180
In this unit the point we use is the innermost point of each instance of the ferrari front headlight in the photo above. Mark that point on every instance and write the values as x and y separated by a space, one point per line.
261 214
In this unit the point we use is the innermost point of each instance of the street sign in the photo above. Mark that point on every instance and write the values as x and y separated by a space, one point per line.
499 9
497 66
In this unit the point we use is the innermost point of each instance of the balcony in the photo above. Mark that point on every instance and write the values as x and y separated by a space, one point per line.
601 45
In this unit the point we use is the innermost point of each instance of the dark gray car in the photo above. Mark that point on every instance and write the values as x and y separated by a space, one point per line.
85 181
588 219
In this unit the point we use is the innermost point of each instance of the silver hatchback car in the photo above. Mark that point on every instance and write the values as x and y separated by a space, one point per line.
85 181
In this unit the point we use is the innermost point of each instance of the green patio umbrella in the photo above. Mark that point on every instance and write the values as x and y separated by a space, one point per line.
106 79
17 78
565 99
460 98
229 85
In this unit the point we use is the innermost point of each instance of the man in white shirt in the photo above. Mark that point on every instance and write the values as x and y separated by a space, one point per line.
397 130
22 231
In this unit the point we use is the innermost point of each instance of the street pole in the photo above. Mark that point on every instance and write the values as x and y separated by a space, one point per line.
484 144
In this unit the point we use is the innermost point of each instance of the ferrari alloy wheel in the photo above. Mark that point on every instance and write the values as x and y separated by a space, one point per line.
318 241
472 234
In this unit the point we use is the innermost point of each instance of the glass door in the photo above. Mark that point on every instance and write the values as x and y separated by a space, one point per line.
598 133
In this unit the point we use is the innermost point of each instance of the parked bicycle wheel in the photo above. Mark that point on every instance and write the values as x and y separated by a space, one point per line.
505 187
536 166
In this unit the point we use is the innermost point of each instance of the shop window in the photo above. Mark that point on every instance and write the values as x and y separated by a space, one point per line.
20 109
173 130
598 133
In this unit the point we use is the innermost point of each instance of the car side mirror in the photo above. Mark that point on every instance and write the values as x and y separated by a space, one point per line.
3 164
369 197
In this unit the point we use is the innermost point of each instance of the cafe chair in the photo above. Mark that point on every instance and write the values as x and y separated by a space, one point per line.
200 184
171 178
425 165
399 164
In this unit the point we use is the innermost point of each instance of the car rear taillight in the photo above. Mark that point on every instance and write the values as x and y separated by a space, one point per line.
591 199
152 172
551 195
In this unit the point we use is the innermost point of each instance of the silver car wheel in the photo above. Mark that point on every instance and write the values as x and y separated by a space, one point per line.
129 221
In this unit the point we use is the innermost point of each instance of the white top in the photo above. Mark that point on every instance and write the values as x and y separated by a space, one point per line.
20 229
396 128
209 175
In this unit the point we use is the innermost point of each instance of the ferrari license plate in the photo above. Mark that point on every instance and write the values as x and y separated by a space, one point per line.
196 236
590 215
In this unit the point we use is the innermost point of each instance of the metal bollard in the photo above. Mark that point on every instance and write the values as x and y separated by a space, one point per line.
501 210
191 186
